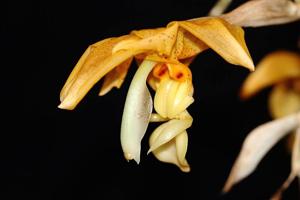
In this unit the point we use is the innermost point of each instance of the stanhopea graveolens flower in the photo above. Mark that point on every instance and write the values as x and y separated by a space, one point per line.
280 69
163 55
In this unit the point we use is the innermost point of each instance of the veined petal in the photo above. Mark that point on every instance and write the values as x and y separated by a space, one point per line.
115 77
224 38
162 42
275 67
95 63
257 144
283 101
137 112
167 131
191 45
146 33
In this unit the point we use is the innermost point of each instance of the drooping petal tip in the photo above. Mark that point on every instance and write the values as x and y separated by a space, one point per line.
66 105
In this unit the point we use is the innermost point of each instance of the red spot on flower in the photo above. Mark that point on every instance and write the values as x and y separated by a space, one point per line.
162 70
179 75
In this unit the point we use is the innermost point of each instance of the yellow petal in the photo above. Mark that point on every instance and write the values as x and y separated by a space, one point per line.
146 33
153 81
173 97
224 38
191 45
181 141
157 118
74 72
178 46
160 103
167 152
275 67
168 131
283 101
115 77
162 42
96 62
186 45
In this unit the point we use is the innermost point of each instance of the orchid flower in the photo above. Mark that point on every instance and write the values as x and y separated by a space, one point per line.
280 69
164 55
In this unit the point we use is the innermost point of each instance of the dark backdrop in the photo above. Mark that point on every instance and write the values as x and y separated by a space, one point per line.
57 154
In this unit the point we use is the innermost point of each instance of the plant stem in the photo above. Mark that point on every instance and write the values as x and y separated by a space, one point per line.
219 7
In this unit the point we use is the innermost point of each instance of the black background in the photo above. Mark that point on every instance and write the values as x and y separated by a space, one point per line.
57 154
